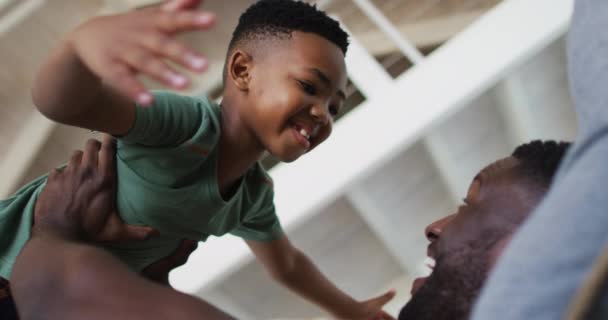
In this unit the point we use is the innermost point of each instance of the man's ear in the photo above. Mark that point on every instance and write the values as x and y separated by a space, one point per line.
240 65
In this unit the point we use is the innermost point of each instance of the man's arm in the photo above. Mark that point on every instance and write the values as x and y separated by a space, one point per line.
548 259
290 267
58 279
90 80
58 276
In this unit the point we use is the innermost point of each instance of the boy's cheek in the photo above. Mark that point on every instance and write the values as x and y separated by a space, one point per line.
322 137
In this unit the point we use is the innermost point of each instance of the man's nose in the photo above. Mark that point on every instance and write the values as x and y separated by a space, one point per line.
434 230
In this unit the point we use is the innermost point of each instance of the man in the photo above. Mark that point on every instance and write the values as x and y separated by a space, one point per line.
547 261
74 280
466 244
60 275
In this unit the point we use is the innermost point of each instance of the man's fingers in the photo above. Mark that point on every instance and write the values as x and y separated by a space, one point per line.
107 156
126 232
91 152
167 47
175 5
159 270
122 78
153 66
136 233
185 21
180 256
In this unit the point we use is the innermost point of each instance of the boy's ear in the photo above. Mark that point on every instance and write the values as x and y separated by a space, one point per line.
239 69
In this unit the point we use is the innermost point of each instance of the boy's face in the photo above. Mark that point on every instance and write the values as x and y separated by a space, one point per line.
296 87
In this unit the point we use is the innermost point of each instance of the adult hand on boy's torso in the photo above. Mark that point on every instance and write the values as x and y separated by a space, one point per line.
119 47
79 200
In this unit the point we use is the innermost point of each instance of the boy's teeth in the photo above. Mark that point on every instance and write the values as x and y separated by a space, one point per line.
304 133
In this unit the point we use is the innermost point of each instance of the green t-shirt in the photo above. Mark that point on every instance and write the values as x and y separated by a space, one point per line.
167 179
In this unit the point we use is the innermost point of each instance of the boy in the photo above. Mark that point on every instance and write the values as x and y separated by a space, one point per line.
186 166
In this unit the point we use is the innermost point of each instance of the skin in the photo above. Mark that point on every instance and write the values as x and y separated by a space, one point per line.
466 244
90 81
60 275
272 86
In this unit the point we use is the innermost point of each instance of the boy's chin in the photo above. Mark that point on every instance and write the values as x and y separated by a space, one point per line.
286 157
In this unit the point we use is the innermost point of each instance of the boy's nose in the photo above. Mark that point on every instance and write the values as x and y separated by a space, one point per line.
320 114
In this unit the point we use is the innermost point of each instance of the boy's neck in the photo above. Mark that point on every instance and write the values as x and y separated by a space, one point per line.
239 149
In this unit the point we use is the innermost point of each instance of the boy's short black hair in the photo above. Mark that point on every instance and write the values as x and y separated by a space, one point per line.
279 18
540 160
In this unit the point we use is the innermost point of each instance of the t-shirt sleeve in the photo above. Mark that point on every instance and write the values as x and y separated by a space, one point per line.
261 224
169 121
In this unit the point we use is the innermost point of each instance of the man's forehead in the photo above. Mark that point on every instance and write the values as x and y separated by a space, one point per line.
497 168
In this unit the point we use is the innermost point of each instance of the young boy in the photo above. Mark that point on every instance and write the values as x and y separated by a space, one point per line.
187 166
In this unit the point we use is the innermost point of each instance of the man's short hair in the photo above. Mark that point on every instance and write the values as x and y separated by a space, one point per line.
539 160
279 18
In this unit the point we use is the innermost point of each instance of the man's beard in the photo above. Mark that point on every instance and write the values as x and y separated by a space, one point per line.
451 290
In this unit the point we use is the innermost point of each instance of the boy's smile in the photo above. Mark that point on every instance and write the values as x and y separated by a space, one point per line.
295 88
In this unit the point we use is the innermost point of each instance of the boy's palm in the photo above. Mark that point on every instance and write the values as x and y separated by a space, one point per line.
372 309
119 47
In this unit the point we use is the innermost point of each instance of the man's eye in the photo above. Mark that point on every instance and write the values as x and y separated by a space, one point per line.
308 88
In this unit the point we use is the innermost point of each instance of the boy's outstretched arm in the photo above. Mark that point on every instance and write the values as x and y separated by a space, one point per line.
293 269
59 276
90 80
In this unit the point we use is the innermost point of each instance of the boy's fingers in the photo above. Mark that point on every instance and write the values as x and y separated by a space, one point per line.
107 156
185 21
386 316
76 158
383 299
174 5
91 152
122 78
174 50
154 67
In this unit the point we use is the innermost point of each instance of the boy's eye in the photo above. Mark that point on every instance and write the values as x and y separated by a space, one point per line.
333 110
308 88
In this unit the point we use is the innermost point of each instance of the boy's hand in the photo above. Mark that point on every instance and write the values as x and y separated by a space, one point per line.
372 308
175 5
159 270
79 200
119 47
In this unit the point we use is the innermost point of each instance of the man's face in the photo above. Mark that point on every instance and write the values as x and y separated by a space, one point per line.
466 244
296 89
